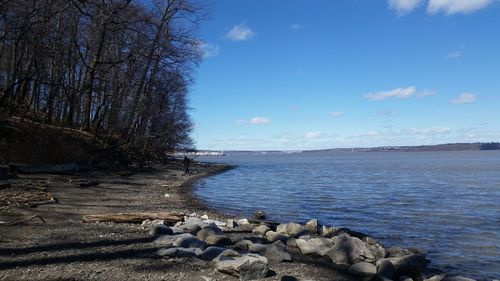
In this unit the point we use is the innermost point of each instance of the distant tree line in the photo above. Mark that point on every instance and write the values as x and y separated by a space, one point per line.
490 146
119 69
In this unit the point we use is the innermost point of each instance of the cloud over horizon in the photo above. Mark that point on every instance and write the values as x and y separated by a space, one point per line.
240 32
400 93
465 98
448 7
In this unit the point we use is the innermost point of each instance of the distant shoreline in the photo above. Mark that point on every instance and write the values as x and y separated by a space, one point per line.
415 148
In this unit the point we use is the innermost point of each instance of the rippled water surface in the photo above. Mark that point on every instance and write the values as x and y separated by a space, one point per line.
445 202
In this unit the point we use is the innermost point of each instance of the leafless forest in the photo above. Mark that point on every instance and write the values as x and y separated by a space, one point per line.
118 69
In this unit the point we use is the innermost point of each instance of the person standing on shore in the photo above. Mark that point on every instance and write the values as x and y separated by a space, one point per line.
186 163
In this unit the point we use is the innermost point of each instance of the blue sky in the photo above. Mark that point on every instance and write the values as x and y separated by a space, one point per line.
324 74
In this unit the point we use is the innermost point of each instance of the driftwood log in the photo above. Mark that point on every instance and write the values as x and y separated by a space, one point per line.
170 218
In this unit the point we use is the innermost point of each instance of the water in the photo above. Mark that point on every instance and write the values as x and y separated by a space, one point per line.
447 203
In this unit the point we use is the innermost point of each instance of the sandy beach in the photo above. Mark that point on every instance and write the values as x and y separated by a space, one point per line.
65 248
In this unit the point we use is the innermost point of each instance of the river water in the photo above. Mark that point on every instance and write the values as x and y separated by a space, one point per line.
447 203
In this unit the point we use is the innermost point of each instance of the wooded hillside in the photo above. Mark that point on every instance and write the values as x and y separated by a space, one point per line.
118 69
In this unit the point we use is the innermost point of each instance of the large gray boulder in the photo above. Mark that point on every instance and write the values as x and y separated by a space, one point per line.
211 253
208 231
275 236
243 244
363 269
189 242
218 240
277 252
315 246
349 250
260 230
407 264
313 227
438 277
178 252
246 267
258 248
458 278
169 240
295 229
386 269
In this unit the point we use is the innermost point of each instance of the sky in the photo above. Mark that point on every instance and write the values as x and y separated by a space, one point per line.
300 75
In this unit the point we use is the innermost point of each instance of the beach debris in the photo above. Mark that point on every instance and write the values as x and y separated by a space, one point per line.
22 221
168 217
67 168
89 183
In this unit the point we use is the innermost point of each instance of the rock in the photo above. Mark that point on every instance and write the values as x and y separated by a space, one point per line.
438 277
258 248
167 195
281 228
259 215
458 278
386 269
348 251
179 252
295 229
313 226
243 244
189 242
208 231
204 217
243 222
193 225
231 223
260 230
315 246
215 222
159 230
151 223
363 269
169 240
275 236
218 240
211 253
405 278
277 252
408 264
377 250
246 267
305 237
292 242
178 230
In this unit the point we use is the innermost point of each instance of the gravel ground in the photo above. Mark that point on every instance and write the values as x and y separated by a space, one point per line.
64 248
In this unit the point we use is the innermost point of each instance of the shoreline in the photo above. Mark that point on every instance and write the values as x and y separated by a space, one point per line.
64 247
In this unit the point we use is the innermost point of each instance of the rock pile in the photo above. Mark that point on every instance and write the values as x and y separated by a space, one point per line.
248 257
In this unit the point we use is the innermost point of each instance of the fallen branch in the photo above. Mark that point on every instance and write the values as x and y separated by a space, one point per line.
170 218
23 220
45 202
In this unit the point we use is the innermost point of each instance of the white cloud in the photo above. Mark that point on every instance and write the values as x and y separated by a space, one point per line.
260 121
465 98
209 50
312 135
337 114
451 7
400 93
297 27
453 55
240 32
403 7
